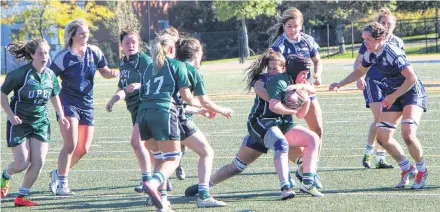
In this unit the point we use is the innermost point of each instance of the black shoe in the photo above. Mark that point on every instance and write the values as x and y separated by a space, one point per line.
298 176
382 164
366 161
192 190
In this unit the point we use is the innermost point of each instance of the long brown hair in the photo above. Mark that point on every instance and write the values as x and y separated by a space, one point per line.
277 29
186 48
260 65
24 49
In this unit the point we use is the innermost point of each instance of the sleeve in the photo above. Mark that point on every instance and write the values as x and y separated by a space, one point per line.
363 48
261 77
144 61
100 58
275 88
120 82
198 85
401 62
56 85
56 65
12 81
366 61
314 48
181 75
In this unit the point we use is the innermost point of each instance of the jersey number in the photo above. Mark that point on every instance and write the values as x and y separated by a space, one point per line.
160 79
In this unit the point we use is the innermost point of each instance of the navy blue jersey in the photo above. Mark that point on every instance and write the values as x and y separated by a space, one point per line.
77 74
390 61
373 73
305 45
261 109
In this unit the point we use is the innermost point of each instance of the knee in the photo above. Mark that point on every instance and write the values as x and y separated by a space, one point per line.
69 148
81 151
207 152
37 163
237 166
409 138
318 130
21 165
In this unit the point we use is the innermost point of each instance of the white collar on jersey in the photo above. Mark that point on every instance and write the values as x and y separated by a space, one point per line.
291 40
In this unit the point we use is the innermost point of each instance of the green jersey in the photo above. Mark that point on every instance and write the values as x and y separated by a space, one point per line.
32 90
197 86
277 84
160 89
131 71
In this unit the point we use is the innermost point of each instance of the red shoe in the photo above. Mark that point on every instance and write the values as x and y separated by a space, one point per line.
24 201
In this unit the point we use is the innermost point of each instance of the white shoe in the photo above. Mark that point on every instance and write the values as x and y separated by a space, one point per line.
63 190
406 177
420 180
209 202
53 184
311 189
287 194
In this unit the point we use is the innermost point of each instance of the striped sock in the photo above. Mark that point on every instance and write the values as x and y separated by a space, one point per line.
203 191
308 178
22 192
369 149
6 175
405 165
380 155
421 166
146 176
284 185
159 177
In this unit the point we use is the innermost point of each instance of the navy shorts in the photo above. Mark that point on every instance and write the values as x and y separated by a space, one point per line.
85 117
257 146
372 91
186 125
415 96
258 128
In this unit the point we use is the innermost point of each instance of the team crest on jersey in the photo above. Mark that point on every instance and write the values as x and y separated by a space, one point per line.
31 80
71 63
83 85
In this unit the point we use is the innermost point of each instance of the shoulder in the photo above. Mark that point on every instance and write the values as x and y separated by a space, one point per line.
393 50
307 38
175 64
145 57
61 55
95 50
398 41
278 41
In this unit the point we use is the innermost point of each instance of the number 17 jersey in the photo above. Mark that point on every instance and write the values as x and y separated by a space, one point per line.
159 89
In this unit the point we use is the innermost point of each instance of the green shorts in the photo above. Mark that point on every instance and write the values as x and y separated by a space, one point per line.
158 124
258 128
17 134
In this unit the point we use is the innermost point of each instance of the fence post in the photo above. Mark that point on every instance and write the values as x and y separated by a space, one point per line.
352 40
240 48
426 36
328 41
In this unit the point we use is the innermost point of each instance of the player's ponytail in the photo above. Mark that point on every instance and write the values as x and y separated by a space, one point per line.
186 48
24 49
160 47
259 66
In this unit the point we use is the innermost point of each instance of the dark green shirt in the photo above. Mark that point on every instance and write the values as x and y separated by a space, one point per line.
32 90
161 89
131 71
197 86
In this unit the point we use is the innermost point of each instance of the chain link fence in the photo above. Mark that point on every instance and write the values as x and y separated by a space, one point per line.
419 36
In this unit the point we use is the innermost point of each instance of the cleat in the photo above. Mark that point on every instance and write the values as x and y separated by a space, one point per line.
192 190
287 194
166 207
5 187
53 184
154 194
169 186
420 179
148 201
63 190
180 172
298 176
366 161
383 164
24 201
210 202
406 177
139 188
317 182
311 189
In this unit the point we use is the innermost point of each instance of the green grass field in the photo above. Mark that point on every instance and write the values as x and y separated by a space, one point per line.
105 178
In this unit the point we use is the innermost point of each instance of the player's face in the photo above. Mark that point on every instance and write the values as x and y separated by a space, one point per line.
388 23
301 78
130 44
275 67
292 28
81 36
41 56
371 43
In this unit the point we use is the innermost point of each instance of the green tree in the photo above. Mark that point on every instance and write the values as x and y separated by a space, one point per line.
41 17
242 10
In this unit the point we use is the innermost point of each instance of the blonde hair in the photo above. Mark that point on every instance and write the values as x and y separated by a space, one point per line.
160 47
377 30
277 29
70 31
260 65
24 49
173 32
186 48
